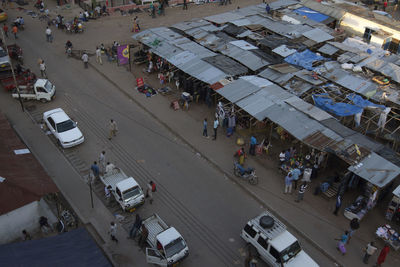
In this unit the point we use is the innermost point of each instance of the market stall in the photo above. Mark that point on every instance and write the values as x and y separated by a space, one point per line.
377 175
393 211
389 235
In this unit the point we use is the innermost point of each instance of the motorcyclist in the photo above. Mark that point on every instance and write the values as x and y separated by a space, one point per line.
68 44
68 47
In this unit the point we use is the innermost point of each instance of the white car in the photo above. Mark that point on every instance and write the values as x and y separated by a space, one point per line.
63 128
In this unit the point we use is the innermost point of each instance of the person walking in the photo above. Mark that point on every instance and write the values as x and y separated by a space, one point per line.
85 59
102 162
49 38
338 204
302 190
267 8
5 29
288 183
113 232
354 225
143 236
151 187
369 251
342 242
385 5
205 128
113 129
382 256
185 5
253 143
15 31
135 227
95 170
98 56
295 176
107 193
42 67
216 124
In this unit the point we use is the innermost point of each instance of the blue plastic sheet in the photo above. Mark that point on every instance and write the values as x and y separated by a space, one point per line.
361 102
340 109
304 59
311 14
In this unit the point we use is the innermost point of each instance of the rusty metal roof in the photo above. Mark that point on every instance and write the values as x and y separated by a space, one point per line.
25 180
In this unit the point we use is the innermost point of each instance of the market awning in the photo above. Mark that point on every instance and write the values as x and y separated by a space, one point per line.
376 170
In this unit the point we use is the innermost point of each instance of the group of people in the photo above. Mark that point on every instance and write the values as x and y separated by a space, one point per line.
369 250
14 30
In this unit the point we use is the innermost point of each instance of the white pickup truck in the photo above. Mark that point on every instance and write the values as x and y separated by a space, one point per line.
42 90
167 246
274 243
126 190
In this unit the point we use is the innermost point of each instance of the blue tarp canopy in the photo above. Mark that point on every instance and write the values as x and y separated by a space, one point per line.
304 59
323 101
311 14
363 103
73 248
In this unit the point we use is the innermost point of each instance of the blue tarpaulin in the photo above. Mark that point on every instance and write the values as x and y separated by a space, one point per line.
323 101
304 59
311 14
363 103
74 248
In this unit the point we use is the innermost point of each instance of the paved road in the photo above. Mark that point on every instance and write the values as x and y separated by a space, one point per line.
205 206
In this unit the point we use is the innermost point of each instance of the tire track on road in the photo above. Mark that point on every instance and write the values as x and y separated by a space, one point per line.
203 233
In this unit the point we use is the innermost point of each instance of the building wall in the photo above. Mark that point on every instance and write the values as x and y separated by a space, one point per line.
26 217
356 25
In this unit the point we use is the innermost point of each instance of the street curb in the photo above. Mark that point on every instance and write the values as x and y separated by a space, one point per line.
85 221
215 165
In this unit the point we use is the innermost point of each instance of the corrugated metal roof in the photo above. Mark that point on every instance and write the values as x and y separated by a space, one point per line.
247 58
328 49
275 76
243 45
307 108
386 68
297 86
331 11
376 170
307 76
280 3
318 35
284 51
224 17
238 90
186 25
227 65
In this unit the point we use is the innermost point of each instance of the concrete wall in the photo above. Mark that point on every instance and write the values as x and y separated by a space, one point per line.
356 25
26 217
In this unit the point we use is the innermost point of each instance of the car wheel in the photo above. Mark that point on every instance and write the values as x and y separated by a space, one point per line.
43 100
59 143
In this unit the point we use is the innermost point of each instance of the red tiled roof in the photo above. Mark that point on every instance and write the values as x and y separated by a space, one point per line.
216 86
25 179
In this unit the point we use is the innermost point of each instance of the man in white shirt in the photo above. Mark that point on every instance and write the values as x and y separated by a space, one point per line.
42 67
98 56
49 38
109 167
85 59
216 124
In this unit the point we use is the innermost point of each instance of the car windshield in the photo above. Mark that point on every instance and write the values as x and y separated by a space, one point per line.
65 126
132 192
48 86
174 247
290 251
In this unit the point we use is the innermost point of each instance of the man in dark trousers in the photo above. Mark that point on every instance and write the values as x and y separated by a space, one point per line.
338 204
135 227
184 5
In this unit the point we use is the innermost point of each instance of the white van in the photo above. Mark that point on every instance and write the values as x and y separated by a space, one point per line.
274 243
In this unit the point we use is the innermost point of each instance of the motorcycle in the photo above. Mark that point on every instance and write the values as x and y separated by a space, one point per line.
249 174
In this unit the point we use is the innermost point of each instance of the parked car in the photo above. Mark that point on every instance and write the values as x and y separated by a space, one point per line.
3 15
63 128
5 63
